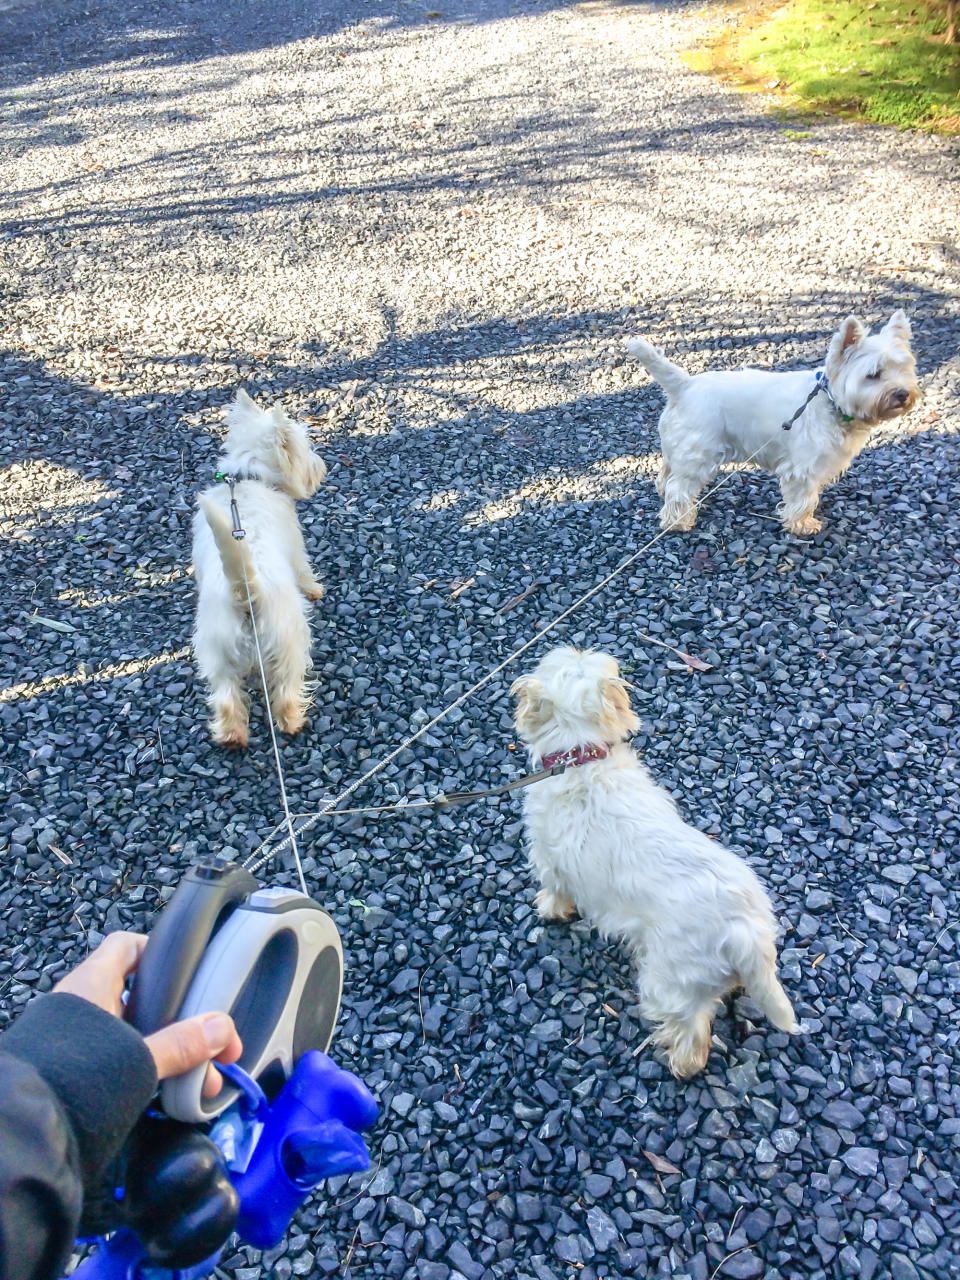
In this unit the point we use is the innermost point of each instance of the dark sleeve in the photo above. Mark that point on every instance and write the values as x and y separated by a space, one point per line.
73 1081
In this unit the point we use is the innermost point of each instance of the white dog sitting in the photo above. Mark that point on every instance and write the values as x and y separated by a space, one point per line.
266 463
805 426
606 841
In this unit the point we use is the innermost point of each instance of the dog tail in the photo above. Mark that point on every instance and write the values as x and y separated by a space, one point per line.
234 553
670 376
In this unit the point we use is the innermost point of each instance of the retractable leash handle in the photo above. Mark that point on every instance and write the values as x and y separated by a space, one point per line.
203 900
272 959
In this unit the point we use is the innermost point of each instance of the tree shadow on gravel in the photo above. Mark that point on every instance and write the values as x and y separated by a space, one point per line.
64 35
556 160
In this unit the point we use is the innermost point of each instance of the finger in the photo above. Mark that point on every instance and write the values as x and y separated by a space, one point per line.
120 952
212 1082
101 976
185 1045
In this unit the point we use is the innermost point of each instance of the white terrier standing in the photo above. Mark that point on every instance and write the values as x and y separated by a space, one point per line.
806 427
268 459
607 841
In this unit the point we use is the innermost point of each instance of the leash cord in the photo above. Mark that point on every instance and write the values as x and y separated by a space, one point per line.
258 858
240 534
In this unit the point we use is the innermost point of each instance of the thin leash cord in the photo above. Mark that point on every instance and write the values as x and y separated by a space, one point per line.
292 838
254 862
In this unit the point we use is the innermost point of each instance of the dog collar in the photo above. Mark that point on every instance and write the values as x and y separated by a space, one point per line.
578 755
822 384
234 477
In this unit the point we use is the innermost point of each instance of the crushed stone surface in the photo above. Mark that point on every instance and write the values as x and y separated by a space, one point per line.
428 232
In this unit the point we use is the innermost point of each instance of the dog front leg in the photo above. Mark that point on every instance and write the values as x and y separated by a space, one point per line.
800 498
307 583
553 901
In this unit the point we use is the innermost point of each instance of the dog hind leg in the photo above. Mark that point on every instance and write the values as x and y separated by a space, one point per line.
230 719
762 985
681 488
681 1013
285 637
554 906
220 648
686 1041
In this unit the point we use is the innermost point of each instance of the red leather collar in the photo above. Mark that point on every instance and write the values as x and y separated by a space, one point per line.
578 755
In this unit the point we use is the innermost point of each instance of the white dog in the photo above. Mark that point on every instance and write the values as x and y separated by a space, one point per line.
714 418
606 841
268 459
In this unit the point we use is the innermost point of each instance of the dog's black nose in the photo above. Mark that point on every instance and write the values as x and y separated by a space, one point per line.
899 396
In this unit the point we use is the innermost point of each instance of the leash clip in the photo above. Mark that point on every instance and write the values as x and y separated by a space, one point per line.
238 530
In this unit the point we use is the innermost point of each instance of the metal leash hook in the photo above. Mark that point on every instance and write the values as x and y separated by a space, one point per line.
238 529
272 959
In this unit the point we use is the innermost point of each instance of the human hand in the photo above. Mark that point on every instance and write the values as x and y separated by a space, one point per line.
176 1048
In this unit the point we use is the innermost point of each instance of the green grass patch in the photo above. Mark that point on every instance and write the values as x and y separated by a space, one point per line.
885 61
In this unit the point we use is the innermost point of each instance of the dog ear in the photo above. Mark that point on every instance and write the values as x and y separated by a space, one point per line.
534 708
243 401
850 334
618 715
898 327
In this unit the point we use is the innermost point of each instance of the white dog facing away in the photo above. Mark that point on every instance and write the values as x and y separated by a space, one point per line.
741 415
606 841
266 463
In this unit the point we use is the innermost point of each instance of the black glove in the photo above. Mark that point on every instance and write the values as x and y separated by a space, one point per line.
178 1195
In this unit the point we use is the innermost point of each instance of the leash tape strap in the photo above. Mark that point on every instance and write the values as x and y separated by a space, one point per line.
466 797
820 386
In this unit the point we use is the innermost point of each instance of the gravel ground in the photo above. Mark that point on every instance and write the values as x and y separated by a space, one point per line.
428 232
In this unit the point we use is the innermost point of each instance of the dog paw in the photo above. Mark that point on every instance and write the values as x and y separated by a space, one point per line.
690 1064
313 591
806 527
228 727
554 906
678 524
290 719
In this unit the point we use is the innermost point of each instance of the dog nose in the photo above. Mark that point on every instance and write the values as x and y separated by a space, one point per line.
899 396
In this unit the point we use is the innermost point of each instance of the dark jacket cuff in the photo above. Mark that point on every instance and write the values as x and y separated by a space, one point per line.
99 1068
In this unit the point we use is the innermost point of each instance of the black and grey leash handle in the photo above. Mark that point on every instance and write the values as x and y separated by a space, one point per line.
205 897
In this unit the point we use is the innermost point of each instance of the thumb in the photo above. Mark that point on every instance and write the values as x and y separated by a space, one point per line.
187 1044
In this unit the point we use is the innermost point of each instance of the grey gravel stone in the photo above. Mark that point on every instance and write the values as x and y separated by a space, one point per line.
430 235
861 1160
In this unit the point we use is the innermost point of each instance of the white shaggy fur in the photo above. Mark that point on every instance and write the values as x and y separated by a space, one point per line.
720 417
273 451
606 841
